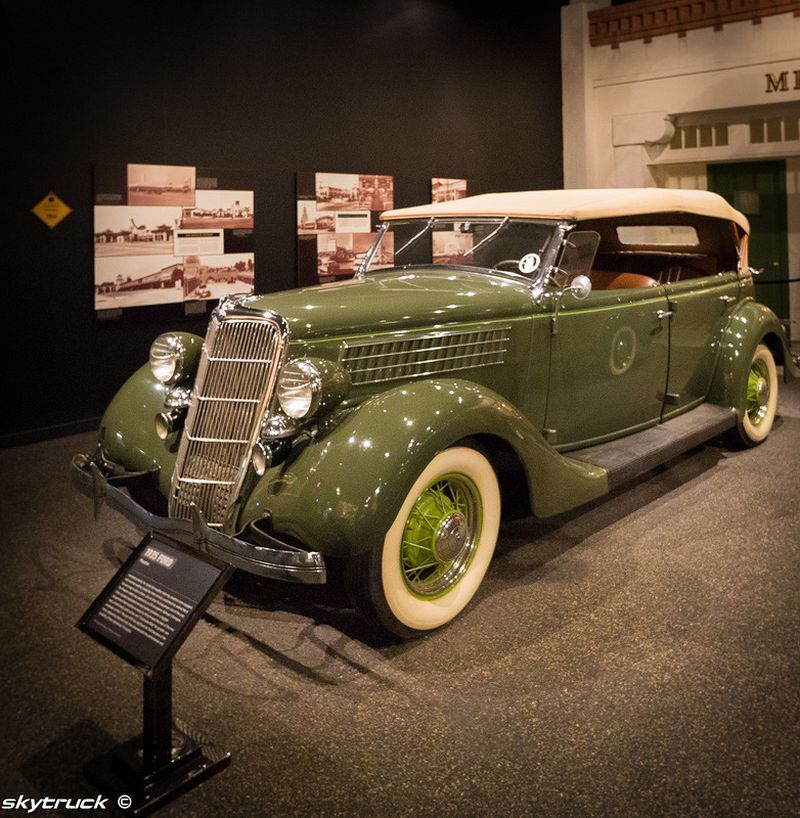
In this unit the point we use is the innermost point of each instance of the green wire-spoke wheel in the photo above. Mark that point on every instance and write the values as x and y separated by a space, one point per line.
441 535
436 552
760 400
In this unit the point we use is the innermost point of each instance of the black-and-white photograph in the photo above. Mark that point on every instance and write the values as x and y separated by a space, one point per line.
337 191
376 193
451 247
134 231
448 190
161 185
335 257
208 278
220 208
137 281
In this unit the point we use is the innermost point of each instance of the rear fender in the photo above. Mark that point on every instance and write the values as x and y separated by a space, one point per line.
751 325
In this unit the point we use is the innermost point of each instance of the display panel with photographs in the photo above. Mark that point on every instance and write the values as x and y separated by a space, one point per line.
450 247
337 220
168 234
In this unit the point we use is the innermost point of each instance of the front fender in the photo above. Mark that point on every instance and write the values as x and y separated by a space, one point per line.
128 428
340 492
128 425
750 325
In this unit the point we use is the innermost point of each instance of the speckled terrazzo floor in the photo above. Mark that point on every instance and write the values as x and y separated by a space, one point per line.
638 657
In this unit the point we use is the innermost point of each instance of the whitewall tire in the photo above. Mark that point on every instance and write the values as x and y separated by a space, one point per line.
761 399
435 554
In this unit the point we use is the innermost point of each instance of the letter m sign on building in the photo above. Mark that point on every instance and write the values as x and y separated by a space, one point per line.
780 82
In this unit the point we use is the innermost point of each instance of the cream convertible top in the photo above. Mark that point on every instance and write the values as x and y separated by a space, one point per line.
578 205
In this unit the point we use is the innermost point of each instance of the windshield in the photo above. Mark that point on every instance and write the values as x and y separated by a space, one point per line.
502 244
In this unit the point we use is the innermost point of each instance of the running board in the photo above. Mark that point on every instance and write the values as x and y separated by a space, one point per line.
630 456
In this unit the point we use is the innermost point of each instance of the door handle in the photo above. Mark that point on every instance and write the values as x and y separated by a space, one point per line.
663 314
728 298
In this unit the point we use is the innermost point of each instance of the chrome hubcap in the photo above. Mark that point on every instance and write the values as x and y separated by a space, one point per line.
758 392
763 393
450 537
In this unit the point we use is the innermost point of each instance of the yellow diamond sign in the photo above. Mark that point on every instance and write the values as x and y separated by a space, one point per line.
51 210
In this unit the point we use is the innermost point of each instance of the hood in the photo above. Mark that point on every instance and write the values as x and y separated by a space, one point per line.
398 299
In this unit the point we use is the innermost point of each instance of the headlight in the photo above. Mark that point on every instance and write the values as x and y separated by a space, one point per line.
299 389
167 358
309 386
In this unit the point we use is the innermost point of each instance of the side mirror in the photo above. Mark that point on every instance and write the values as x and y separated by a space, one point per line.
580 287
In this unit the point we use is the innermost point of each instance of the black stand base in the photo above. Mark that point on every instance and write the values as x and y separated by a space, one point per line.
121 772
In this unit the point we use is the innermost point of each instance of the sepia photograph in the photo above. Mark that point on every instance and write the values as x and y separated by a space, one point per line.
220 208
208 278
337 191
161 185
376 193
134 231
448 190
451 247
335 256
137 281
307 216
384 256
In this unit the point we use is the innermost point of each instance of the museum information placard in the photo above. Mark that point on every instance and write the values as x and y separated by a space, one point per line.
152 602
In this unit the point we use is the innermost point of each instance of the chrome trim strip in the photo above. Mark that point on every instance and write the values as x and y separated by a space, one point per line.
216 439
205 398
202 481
425 349
422 335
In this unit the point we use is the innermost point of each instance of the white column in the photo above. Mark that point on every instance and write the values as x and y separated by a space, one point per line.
793 237
577 90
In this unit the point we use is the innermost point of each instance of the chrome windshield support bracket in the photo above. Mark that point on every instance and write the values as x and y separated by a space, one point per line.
361 271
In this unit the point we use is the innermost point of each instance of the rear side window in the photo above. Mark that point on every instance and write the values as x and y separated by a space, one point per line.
659 235
664 248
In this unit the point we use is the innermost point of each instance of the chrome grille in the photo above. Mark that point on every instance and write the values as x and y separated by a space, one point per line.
235 382
399 358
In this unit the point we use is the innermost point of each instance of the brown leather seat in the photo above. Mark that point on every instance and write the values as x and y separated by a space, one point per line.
607 280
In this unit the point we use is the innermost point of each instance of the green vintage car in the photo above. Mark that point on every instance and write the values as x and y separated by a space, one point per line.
564 341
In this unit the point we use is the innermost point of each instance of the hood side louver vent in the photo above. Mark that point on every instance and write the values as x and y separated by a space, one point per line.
400 358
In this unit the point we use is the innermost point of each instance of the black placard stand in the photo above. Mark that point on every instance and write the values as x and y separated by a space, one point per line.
168 758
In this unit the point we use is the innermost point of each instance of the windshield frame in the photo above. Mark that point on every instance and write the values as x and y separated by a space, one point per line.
537 282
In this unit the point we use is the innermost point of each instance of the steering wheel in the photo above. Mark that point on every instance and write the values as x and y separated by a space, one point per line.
514 262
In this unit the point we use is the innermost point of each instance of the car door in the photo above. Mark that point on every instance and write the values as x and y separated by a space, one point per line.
700 308
609 356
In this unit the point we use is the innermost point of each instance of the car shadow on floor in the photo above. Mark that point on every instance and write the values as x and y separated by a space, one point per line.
330 604
556 535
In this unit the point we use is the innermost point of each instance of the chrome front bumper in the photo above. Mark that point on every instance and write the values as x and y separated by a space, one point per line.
273 559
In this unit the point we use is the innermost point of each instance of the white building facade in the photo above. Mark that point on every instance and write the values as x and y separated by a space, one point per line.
693 94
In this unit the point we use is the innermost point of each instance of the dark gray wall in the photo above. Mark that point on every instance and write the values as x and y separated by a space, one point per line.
415 89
